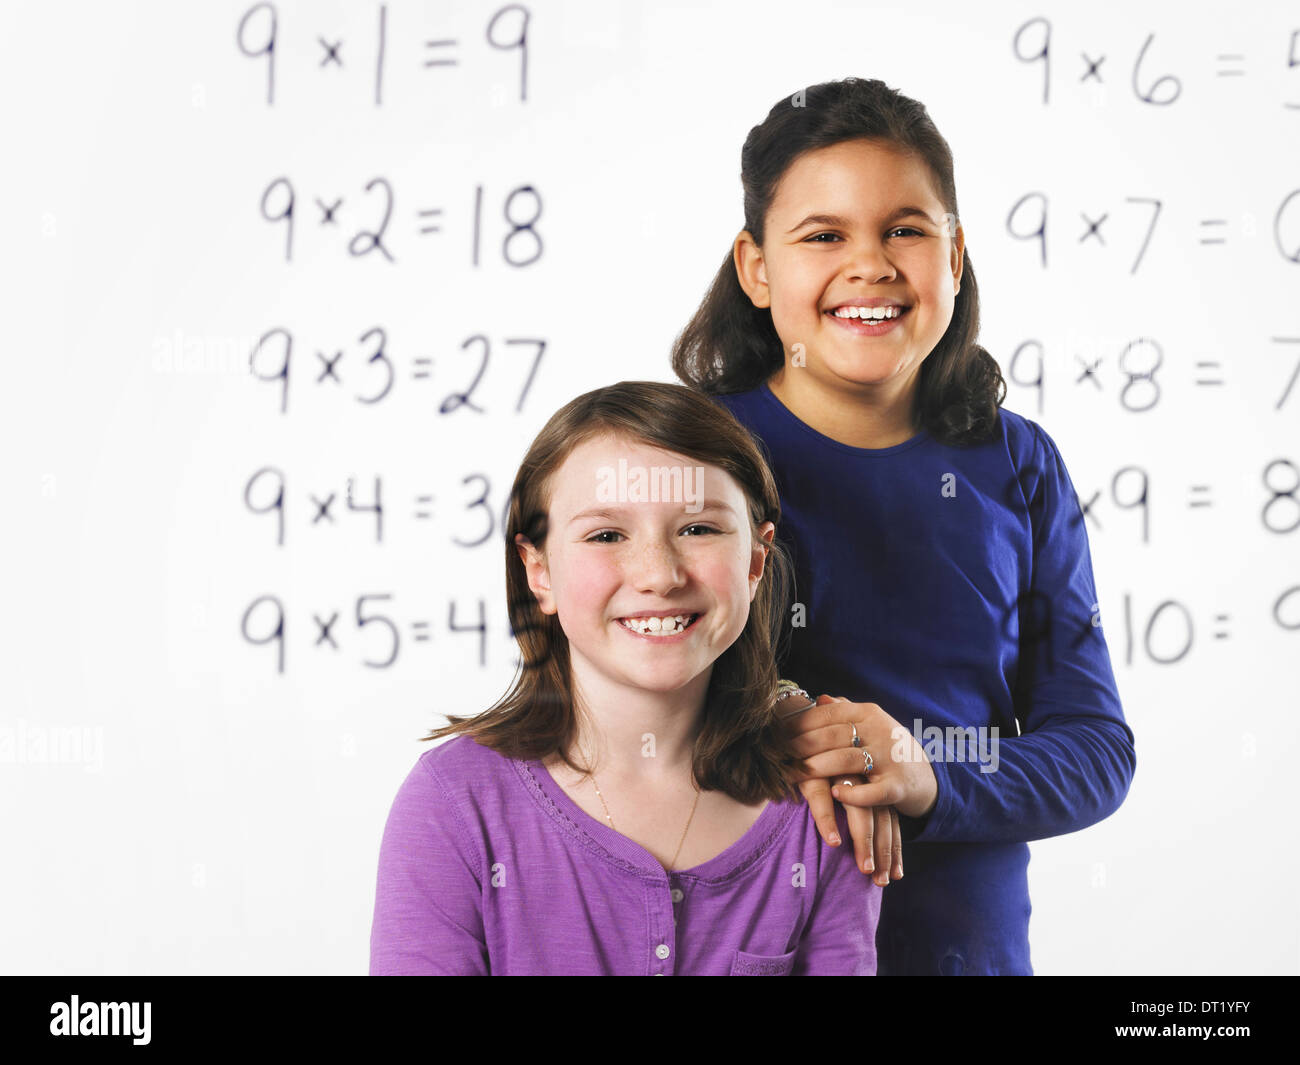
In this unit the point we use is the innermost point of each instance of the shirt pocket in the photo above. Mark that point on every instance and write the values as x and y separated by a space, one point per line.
745 964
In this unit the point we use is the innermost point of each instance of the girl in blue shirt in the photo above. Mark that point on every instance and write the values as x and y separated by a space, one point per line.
943 576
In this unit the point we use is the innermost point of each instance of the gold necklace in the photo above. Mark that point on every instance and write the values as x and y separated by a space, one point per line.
673 863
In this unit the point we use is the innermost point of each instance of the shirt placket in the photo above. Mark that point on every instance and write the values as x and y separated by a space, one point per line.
663 928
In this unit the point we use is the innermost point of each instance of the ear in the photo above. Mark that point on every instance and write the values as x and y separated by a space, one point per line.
758 556
751 271
539 577
958 256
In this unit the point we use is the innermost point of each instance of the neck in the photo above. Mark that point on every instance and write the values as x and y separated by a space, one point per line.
870 417
632 734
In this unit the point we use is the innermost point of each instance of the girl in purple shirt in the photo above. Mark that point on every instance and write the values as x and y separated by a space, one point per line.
628 806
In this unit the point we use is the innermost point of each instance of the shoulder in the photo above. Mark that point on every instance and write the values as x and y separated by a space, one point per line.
1029 443
1033 456
832 872
794 830
1025 440
455 797
458 773
759 413
1040 488
741 405
463 758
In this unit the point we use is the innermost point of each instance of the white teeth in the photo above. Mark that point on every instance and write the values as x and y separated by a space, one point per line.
664 626
868 312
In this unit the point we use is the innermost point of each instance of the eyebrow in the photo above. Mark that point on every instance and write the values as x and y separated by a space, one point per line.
617 513
843 223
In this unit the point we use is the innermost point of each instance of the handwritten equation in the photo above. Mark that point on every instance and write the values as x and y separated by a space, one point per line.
258 37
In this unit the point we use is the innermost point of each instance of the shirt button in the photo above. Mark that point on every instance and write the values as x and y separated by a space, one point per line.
661 951
677 895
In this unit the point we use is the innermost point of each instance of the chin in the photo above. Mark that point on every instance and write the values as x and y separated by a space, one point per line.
663 684
864 380
866 373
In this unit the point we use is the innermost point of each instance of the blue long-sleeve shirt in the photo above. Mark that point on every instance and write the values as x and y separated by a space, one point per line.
954 588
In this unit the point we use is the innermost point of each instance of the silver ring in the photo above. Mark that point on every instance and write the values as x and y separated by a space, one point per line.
857 740
846 783
866 755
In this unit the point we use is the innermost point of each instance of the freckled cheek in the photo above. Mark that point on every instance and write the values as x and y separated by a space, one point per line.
727 579
584 592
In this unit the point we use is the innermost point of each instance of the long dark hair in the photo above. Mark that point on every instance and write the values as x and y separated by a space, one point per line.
741 749
731 346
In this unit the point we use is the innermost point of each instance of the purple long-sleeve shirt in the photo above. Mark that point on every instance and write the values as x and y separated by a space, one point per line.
488 867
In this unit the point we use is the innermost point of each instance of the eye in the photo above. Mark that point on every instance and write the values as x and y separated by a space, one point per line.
706 528
594 538
827 238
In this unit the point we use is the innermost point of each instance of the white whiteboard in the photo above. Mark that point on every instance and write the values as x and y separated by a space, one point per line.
178 803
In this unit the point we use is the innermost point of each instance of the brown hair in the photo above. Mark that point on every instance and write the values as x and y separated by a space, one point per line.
742 749
731 346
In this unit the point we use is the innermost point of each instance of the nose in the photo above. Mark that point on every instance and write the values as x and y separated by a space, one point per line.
656 567
869 261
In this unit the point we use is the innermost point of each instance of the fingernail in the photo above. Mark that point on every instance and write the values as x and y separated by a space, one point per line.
835 839
868 866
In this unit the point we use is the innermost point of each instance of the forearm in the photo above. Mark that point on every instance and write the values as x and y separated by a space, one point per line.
1042 784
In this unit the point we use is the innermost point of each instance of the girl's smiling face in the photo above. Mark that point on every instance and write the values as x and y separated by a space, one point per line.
857 221
609 559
